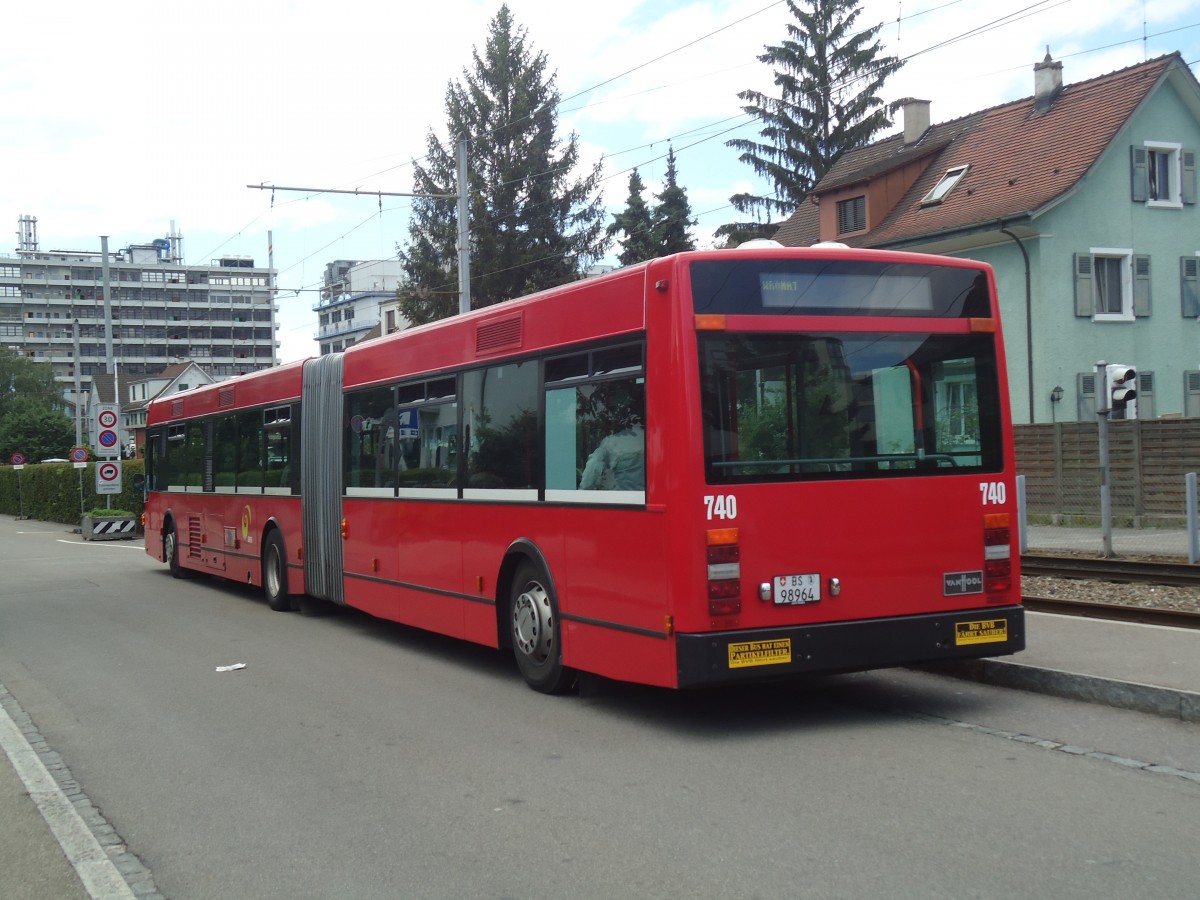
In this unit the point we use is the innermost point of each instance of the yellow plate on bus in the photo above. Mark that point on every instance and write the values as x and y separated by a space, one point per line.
986 631
760 653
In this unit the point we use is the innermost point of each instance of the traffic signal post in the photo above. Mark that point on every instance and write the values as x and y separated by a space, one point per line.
1115 388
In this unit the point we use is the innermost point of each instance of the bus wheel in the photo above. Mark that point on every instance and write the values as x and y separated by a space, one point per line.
274 574
533 616
171 552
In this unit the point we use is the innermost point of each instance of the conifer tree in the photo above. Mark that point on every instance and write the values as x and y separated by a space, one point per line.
534 223
636 222
673 214
828 76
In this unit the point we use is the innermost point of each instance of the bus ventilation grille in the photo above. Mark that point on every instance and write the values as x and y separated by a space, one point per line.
498 333
224 397
177 408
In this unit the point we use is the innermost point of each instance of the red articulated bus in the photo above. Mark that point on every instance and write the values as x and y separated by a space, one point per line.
708 468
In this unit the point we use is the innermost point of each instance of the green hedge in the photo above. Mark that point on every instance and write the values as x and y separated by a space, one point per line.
51 492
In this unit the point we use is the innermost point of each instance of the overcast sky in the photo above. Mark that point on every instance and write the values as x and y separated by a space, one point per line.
127 115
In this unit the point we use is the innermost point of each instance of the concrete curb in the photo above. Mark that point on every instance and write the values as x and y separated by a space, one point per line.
1161 701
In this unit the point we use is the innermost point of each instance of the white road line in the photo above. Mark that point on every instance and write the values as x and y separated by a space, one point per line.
99 876
115 545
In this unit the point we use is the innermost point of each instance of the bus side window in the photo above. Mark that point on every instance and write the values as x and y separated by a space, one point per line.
250 450
501 415
371 447
225 446
613 435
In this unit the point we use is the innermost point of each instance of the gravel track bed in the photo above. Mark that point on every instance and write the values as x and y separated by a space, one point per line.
1119 594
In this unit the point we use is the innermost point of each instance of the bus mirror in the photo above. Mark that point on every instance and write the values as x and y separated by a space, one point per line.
139 482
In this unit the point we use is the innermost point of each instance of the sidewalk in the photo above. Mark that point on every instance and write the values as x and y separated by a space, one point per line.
1149 668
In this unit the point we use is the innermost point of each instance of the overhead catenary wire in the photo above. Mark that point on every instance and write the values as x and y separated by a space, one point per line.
1008 19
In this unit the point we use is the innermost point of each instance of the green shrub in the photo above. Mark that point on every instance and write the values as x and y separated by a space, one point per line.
58 492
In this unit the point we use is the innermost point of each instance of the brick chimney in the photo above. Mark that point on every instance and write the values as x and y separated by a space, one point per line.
1047 83
916 119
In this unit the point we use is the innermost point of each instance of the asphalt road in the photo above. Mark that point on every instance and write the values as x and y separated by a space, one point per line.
356 758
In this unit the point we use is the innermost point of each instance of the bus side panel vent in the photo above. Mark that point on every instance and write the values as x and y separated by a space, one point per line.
499 334
224 398
176 408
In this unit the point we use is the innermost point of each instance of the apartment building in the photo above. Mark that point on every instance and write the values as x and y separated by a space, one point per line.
357 298
220 316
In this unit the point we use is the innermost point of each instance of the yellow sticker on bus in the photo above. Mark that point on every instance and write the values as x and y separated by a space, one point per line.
988 631
760 653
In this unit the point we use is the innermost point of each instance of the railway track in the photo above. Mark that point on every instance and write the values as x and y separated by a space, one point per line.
1121 571
1115 612
1116 571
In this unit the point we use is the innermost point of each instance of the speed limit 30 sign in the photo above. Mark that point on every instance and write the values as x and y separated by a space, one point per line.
108 477
108 438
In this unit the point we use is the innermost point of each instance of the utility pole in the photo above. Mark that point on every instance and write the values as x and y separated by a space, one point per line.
78 411
464 231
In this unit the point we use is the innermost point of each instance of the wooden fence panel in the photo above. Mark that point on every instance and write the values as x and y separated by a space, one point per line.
1148 462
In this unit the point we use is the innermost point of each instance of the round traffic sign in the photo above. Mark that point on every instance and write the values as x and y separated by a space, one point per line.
79 454
107 439
107 418
18 459
108 471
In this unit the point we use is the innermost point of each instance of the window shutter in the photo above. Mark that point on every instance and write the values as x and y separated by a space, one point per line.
1139 175
1084 304
1141 284
1191 393
1085 393
1187 181
1189 286
1144 403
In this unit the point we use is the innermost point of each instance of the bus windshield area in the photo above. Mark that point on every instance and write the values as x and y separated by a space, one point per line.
826 406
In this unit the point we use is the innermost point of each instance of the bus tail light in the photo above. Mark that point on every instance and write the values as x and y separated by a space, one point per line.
997 554
724 572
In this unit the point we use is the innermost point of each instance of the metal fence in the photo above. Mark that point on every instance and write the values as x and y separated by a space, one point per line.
1148 467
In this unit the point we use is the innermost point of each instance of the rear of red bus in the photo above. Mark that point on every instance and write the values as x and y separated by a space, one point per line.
853 505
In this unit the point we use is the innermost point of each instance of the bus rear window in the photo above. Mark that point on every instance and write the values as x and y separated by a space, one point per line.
827 406
837 287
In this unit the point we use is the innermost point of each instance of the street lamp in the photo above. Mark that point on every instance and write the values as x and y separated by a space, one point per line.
1055 396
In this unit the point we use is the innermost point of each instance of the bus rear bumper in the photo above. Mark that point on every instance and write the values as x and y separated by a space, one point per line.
766 653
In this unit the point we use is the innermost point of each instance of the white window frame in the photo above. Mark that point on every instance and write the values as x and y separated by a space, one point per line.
1174 173
1126 257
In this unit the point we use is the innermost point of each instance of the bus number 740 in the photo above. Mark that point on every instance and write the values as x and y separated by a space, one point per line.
720 506
993 492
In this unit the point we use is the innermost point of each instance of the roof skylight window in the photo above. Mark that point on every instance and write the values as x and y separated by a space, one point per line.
945 185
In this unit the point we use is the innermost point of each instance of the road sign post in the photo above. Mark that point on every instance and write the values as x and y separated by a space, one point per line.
18 463
108 437
108 476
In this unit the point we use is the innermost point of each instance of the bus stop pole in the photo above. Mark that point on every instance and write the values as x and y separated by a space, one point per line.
1192 523
1022 519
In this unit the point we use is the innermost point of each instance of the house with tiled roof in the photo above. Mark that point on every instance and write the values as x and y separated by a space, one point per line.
1081 196
137 393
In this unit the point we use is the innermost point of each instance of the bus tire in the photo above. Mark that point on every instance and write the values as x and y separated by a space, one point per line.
274 573
535 632
171 551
